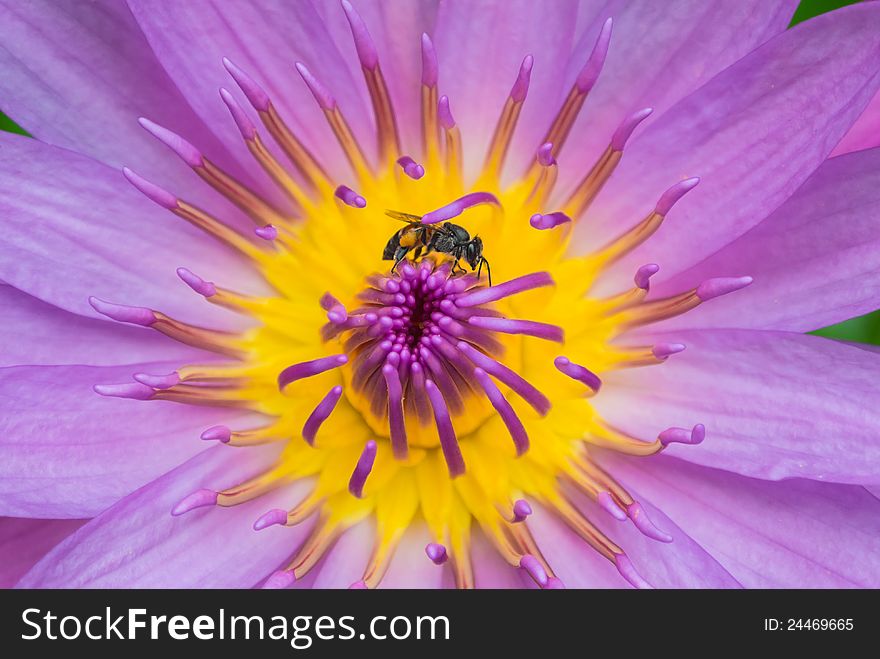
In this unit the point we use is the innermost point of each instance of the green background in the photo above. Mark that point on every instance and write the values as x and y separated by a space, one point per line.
865 329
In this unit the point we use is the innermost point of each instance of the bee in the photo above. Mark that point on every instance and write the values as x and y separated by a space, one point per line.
443 238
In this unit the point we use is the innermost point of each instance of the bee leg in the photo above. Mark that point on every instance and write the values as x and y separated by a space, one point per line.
399 256
488 270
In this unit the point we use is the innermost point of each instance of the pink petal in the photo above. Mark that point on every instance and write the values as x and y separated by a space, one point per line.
138 544
65 451
775 404
23 542
815 261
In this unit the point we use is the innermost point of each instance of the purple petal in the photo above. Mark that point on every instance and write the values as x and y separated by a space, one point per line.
660 52
137 544
190 40
775 404
683 563
79 75
345 562
77 228
480 47
865 132
23 542
65 451
36 333
753 133
790 534
815 260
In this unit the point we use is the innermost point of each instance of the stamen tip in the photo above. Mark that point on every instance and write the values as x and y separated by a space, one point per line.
590 73
430 69
198 499
199 285
319 91
437 553
664 350
131 390
217 433
521 510
637 514
627 571
712 288
150 190
255 94
625 130
554 583
644 274
123 313
609 505
270 518
521 87
350 197
184 149
158 381
363 42
669 198
280 579
268 232
244 124
545 155
536 571
444 113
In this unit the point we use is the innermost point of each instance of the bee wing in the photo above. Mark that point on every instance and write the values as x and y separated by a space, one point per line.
403 217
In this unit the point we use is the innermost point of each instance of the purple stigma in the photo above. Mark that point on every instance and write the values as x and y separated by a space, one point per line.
459 206
712 288
150 190
628 572
444 113
545 155
310 368
411 168
643 275
683 435
669 198
437 553
252 91
664 350
637 514
124 313
319 91
217 434
609 505
430 68
536 571
500 291
270 518
132 390
350 197
198 499
280 579
527 327
268 232
320 414
158 381
244 124
362 470
186 151
524 389
625 130
521 510
521 86
579 373
448 440
363 42
505 411
590 73
199 285
396 421
549 221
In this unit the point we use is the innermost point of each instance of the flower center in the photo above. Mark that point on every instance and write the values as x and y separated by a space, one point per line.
421 394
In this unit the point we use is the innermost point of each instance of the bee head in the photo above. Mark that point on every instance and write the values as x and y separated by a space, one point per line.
474 252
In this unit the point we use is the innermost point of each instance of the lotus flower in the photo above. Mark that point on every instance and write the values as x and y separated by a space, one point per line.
208 358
